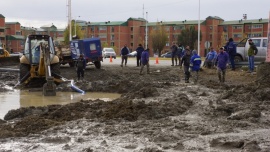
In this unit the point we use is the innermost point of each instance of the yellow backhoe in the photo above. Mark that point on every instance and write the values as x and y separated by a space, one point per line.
40 62
6 59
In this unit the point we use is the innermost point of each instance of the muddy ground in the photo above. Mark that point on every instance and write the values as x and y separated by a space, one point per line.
157 112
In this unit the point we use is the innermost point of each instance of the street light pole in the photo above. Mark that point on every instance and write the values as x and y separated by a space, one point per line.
69 19
146 31
199 28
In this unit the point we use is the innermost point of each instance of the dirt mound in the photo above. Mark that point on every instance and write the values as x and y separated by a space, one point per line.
34 120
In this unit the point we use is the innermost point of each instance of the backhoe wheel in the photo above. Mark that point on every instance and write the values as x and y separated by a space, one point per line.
55 68
97 64
24 70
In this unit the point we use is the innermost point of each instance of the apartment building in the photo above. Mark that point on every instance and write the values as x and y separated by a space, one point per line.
132 32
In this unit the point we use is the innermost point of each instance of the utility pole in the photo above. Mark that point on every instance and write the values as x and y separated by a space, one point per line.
146 31
69 19
199 28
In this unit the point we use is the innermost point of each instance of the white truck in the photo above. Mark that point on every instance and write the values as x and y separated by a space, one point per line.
243 46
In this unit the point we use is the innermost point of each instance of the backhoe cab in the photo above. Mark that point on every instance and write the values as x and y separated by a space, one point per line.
39 64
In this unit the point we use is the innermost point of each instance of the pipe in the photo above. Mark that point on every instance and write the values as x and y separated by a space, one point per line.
76 88
9 69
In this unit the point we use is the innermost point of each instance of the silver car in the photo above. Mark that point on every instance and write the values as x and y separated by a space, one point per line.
108 52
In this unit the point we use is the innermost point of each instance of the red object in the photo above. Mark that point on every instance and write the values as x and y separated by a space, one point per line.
156 60
110 58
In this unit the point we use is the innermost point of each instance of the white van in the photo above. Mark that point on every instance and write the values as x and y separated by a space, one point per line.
243 46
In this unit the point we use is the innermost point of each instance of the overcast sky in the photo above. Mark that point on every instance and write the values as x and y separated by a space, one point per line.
36 13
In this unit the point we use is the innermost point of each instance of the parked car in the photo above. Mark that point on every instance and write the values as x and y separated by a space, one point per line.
166 55
108 52
243 46
133 54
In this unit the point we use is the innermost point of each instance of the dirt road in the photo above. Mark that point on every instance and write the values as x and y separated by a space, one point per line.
156 112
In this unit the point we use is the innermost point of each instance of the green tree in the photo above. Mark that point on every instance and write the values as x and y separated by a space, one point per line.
159 38
189 37
79 32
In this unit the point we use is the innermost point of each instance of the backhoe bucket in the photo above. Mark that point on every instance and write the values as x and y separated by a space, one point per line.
9 61
49 88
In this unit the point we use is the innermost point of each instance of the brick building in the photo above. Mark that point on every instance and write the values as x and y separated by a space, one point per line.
133 31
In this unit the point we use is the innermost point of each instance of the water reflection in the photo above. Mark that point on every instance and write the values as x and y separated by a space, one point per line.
17 99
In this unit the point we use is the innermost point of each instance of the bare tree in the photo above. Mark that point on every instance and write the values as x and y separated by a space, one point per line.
159 38
189 37
79 32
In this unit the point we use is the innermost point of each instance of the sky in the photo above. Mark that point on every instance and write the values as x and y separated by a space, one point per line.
37 13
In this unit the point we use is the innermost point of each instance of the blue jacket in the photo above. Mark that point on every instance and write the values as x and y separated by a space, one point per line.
179 51
139 50
222 60
124 51
210 56
231 48
195 62
174 50
145 57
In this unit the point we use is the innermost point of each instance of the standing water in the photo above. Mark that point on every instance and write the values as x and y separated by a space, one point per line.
17 99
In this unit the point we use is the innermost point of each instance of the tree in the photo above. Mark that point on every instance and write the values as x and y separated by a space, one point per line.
189 37
159 38
79 32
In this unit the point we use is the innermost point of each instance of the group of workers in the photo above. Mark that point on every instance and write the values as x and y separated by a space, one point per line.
187 58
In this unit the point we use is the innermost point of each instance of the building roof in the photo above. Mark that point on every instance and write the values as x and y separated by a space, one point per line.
28 28
253 21
137 19
185 22
15 37
214 17
12 23
2 16
109 23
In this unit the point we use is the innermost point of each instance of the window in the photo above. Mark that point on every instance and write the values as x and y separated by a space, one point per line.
210 36
237 35
264 43
167 28
257 42
102 36
210 27
92 28
131 28
167 44
102 28
178 27
256 26
237 27
18 33
255 35
131 36
93 47
112 37
225 37
112 29
131 44
112 43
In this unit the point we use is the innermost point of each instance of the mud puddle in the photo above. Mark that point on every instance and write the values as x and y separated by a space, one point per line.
17 99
